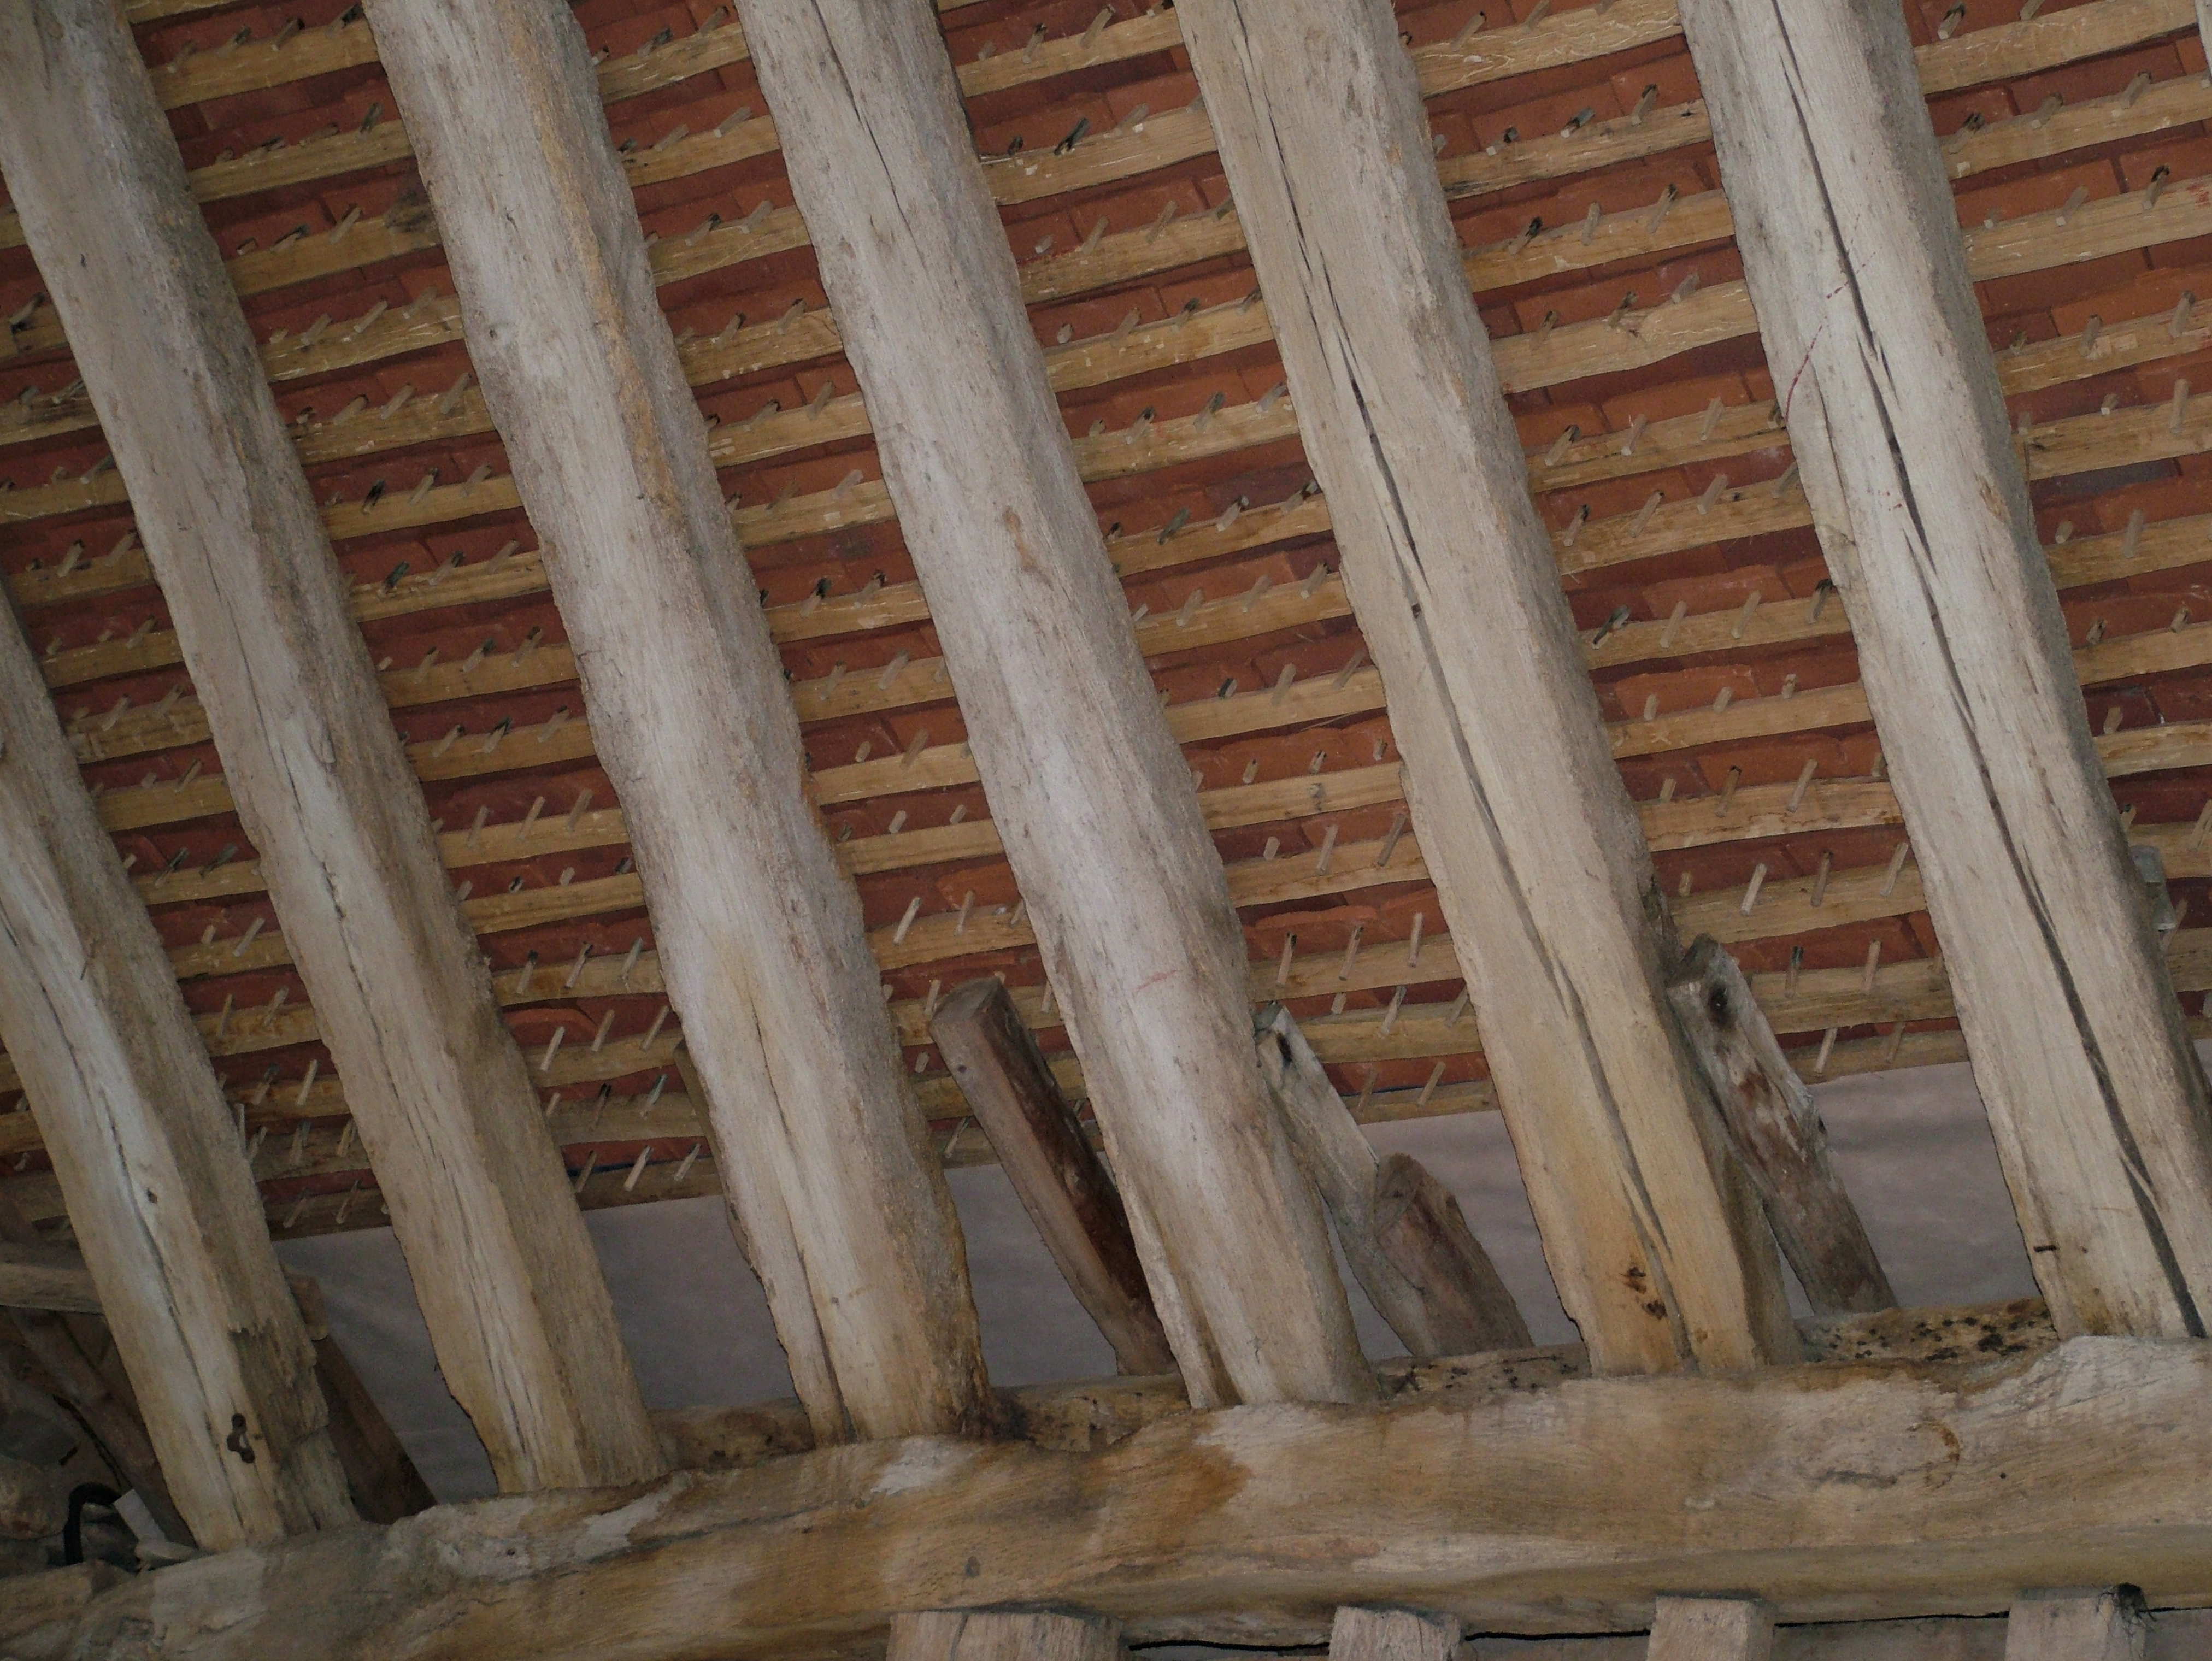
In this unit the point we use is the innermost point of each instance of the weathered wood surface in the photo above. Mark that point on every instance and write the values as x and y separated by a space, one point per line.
1004 1635
2175 1635
759 933
1401 1232
1087 790
2109 1625
1777 1133
1851 248
1360 1633
1062 1182
380 1472
1654 1240
1711 1629
29 1602
525 1332
1832 1492
142 1141
45 1275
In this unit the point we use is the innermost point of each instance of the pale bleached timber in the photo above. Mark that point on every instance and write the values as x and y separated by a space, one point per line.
1777 1133
1832 1493
2107 1625
1442 1296
523 1329
1654 1240
1087 791
759 933
1004 1636
1711 1629
142 1145
1850 245
1058 1175
1360 1633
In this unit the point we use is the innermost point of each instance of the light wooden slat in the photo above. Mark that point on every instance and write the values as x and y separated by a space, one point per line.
1392 1635
760 935
1654 1238
525 1332
2077 1625
1004 1635
2097 1100
129 1108
1711 1629
1087 787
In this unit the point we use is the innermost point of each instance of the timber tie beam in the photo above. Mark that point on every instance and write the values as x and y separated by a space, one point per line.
1851 248
1085 783
524 1330
847 1222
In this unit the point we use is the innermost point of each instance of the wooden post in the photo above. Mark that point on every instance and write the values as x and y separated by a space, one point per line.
1654 1240
759 933
1003 1635
1063 1183
142 1145
1777 1134
1088 792
1851 248
1402 1232
1711 1629
525 1332
2077 1625
1392 1635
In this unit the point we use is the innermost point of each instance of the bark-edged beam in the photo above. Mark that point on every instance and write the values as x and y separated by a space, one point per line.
1851 248
1090 796
1831 1491
1777 1133
1655 1241
760 935
1711 1629
142 1145
2077 1625
1063 1183
524 1331
1401 1231
1004 1635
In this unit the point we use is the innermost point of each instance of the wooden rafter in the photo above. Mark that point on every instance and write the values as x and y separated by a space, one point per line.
759 934
1870 324
1658 1252
524 1331
1087 790
143 1147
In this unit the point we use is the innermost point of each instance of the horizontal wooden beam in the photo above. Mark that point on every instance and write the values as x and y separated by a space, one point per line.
1833 1492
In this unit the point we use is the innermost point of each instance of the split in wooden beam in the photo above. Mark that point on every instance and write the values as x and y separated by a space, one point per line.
1653 1235
1832 1493
524 1331
1062 1182
1401 1230
131 1111
1089 793
848 1222
1777 1133
1852 252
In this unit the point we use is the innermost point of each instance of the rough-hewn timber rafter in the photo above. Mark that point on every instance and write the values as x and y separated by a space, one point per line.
1087 790
761 939
143 1147
505 1274
1871 328
1659 1252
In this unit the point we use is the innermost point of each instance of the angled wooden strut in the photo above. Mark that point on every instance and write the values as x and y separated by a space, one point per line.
846 1217
1653 1237
524 1331
1061 1181
1088 794
1850 245
145 1150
